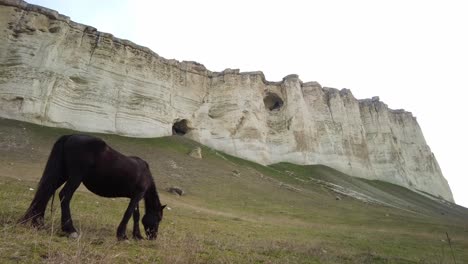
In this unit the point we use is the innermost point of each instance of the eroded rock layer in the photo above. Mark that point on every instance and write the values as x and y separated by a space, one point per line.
56 72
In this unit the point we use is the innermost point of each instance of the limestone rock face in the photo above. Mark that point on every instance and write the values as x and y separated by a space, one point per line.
56 72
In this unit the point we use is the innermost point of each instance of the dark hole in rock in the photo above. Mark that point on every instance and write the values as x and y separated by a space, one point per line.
273 102
54 29
180 128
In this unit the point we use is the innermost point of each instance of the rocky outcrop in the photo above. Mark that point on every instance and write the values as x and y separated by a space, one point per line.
56 72
196 153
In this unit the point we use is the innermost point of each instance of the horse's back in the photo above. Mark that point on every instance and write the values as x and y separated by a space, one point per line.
85 142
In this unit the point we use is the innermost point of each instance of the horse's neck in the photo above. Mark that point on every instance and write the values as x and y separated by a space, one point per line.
152 202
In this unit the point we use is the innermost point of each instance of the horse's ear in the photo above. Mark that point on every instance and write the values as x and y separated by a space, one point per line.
164 206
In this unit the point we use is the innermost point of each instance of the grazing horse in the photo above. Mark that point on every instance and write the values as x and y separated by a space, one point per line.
77 159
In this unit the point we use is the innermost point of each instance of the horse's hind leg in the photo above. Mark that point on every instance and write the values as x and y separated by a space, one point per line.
136 225
38 219
121 230
65 195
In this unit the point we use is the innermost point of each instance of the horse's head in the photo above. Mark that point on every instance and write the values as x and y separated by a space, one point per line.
151 223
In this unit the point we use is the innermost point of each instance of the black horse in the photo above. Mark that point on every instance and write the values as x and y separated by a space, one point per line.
104 171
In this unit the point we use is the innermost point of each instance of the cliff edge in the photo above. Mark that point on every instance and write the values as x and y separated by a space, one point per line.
56 72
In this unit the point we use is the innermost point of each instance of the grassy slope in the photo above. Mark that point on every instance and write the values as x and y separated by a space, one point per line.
277 214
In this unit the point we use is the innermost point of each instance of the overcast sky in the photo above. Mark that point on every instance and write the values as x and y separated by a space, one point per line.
412 54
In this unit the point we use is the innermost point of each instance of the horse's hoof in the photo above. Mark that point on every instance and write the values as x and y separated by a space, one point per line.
37 222
137 237
73 235
122 238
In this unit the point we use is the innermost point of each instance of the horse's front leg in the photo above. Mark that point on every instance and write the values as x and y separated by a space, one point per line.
136 225
65 197
122 229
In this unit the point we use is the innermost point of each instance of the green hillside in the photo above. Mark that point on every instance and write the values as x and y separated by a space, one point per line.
233 211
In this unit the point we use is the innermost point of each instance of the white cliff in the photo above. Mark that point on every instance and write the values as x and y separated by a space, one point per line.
56 72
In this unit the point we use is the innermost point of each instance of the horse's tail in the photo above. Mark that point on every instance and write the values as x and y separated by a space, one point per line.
52 178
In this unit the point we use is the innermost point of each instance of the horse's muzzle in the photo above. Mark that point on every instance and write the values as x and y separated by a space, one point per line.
152 236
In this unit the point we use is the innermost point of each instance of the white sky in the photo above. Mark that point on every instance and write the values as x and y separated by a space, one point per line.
413 54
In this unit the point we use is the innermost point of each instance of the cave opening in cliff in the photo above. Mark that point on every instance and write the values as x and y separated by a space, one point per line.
273 102
180 127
